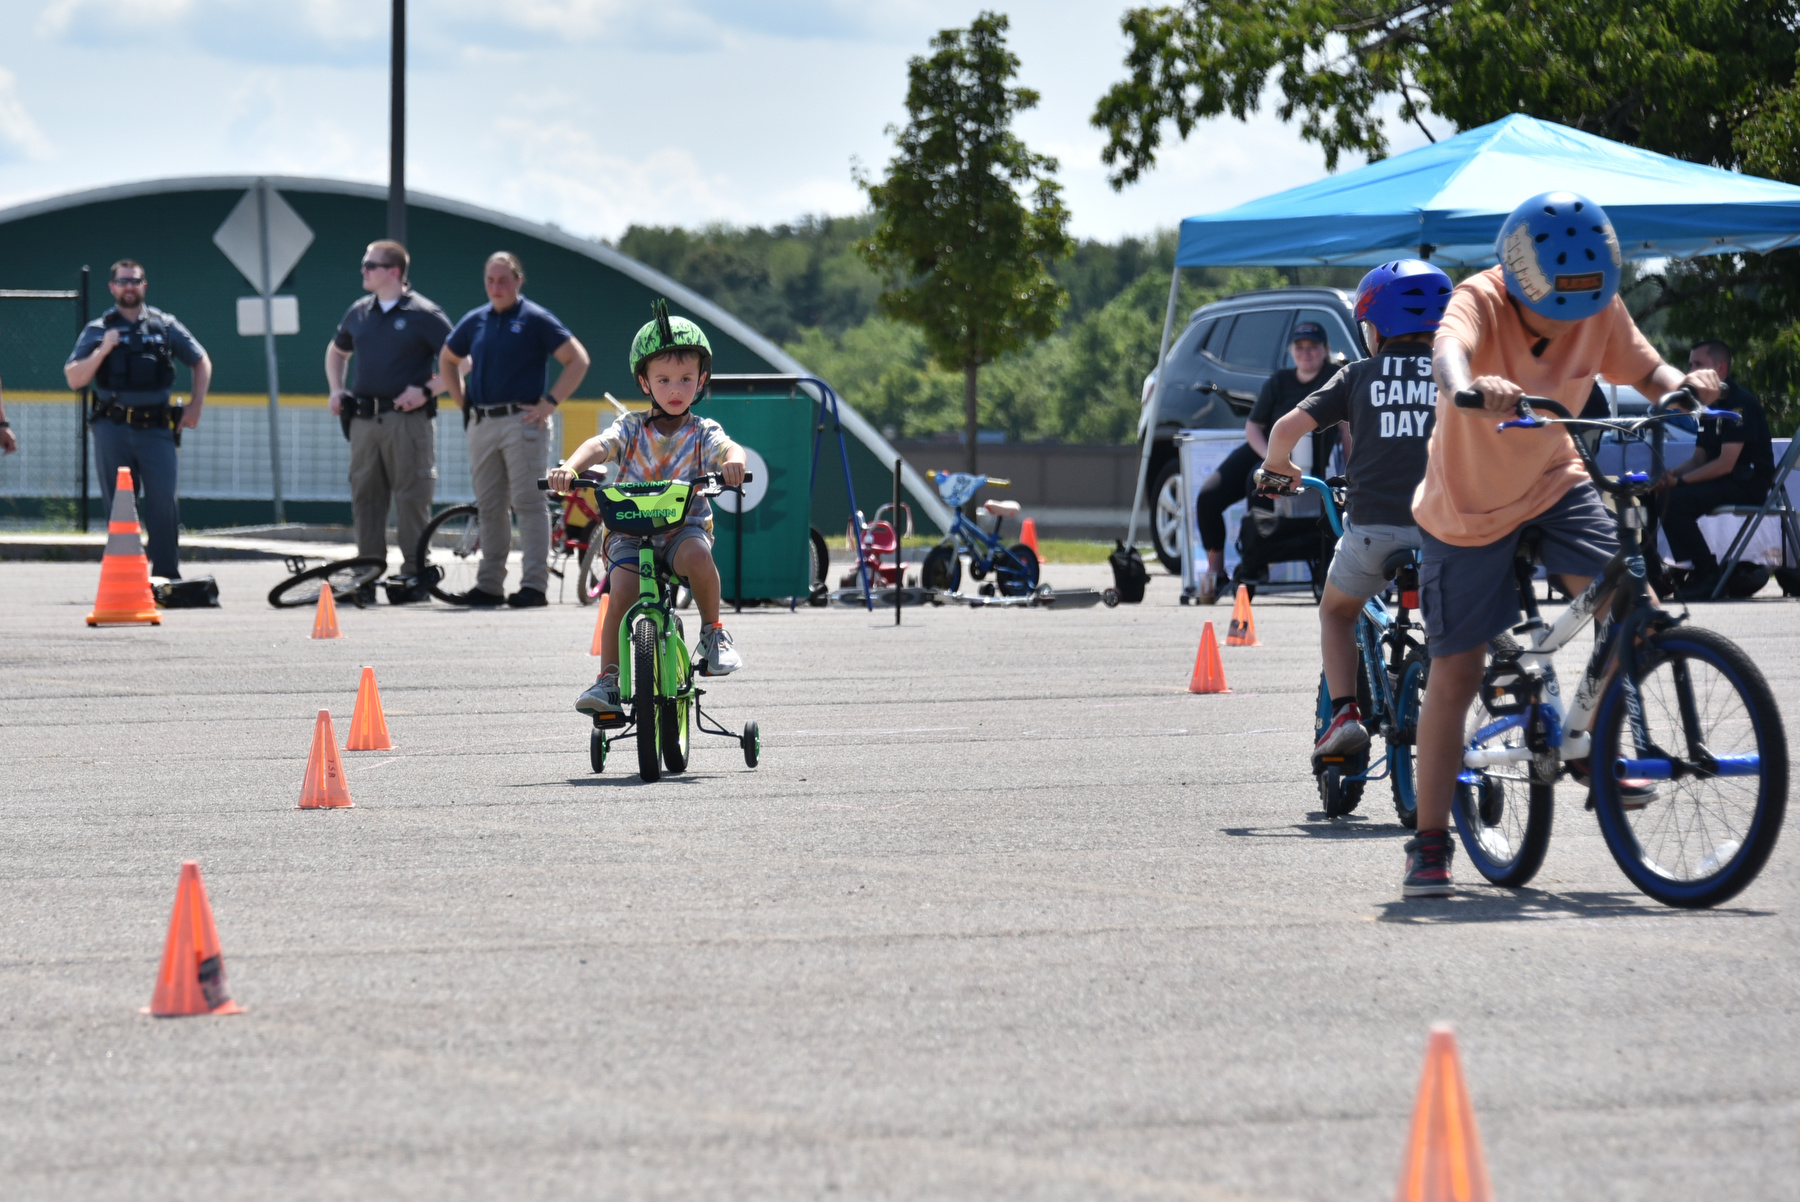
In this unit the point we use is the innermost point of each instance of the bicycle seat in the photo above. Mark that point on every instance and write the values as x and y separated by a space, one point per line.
879 538
1405 557
1001 509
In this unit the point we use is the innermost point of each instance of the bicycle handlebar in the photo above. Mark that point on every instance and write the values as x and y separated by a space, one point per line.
710 485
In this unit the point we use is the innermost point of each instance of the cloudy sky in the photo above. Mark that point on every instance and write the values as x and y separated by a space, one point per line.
593 114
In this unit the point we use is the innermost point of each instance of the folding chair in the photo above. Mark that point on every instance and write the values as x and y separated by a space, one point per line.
1779 504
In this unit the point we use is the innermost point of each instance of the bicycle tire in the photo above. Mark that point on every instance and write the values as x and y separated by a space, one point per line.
1012 582
1408 701
820 557
346 576
676 716
590 583
460 558
644 700
1653 843
1340 797
1504 818
942 569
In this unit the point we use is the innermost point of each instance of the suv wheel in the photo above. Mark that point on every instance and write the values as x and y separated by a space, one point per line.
1165 516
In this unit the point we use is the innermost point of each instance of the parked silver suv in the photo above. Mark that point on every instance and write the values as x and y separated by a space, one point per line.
1216 368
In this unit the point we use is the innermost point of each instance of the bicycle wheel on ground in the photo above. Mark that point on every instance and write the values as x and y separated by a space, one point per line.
643 692
1502 814
1704 833
452 542
344 577
942 570
1338 796
676 716
597 747
590 580
1020 581
1408 700
751 742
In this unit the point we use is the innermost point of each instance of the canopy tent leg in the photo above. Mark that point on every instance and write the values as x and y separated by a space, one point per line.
1151 405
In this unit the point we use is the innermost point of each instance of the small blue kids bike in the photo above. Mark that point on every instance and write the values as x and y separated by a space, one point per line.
1015 568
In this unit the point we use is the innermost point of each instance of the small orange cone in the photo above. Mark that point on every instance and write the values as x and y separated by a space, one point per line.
325 623
368 726
192 977
1028 534
1209 672
599 622
124 598
324 787
1242 631
1443 1153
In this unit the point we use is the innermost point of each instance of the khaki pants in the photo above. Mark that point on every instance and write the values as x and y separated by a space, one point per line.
506 460
393 459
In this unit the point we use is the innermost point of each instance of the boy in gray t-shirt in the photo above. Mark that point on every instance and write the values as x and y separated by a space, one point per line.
1387 402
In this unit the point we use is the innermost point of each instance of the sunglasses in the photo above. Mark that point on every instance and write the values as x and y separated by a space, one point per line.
371 265
138 280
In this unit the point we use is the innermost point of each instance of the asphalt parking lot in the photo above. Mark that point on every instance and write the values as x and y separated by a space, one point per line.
1004 913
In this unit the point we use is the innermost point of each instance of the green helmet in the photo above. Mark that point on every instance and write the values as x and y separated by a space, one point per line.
665 333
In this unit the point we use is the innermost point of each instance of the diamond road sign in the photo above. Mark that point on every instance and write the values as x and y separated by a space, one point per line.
240 239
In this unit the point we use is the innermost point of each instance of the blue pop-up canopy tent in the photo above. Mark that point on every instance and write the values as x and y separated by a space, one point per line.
1445 202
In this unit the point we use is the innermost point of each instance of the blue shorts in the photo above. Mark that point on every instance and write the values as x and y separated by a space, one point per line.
1468 595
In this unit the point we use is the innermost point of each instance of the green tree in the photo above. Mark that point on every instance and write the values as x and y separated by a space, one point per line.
969 262
1711 81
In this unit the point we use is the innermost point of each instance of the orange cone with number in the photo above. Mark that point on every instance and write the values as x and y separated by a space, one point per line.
1028 535
1209 671
324 787
368 726
1242 631
124 598
599 622
1443 1153
192 977
325 617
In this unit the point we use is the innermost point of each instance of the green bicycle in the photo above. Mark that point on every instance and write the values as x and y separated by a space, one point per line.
656 674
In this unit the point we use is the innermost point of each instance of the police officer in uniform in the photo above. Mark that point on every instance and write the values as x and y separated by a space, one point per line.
394 335
128 355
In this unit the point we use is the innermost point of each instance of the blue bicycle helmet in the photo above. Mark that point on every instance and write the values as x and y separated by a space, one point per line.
1406 296
1560 256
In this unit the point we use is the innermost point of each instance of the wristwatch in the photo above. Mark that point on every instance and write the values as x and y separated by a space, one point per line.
553 401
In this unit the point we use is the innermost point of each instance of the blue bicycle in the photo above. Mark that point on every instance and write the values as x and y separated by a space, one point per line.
1014 568
1391 670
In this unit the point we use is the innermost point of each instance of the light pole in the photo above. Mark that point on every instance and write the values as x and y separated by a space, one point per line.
396 215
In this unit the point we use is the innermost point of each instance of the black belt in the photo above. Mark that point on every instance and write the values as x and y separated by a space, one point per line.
138 417
486 411
369 406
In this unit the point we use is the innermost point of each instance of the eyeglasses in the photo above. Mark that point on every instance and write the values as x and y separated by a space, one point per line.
371 265
129 280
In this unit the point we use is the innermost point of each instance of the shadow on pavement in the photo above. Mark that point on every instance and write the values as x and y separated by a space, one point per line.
1318 826
1491 904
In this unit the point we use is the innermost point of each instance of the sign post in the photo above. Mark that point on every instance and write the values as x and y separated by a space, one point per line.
268 308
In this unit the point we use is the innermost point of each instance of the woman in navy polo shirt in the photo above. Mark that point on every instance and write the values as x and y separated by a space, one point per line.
504 349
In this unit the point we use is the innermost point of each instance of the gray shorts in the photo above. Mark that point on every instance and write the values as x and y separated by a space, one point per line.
1356 565
1468 595
622 549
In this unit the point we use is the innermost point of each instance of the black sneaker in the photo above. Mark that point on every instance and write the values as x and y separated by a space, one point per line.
528 598
477 599
1428 857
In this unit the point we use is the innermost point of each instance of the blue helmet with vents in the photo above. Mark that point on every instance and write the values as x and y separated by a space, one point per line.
1560 256
1406 296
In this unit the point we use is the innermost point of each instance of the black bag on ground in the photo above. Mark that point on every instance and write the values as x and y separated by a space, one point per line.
191 592
1130 576
1789 580
1747 580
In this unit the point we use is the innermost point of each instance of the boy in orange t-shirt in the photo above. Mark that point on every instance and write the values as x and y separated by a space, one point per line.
1544 322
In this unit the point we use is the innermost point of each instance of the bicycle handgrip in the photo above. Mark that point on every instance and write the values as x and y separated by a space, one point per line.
1469 398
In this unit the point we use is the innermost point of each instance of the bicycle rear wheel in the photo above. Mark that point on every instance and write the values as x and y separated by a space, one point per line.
1700 839
644 701
452 542
1502 814
345 577
590 581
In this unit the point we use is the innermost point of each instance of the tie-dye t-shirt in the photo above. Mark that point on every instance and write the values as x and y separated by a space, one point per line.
699 445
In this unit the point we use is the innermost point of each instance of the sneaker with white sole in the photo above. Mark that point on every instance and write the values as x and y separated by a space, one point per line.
1428 856
721 658
602 698
1345 736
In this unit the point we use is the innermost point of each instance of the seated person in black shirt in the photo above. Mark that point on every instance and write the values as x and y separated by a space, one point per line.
1230 484
1733 464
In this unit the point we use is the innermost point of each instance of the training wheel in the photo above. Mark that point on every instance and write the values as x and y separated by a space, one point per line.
1337 795
1111 597
751 743
597 749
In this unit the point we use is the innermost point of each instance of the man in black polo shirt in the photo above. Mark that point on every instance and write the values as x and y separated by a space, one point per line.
394 335
505 348
1733 464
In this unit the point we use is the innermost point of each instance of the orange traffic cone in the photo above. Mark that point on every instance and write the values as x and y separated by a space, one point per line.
1242 631
1028 534
599 621
325 622
1209 672
368 726
192 977
1443 1153
324 787
125 598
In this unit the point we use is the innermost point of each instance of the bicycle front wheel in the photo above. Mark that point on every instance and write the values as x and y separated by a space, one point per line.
1502 814
1708 787
452 543
1404 736
343 577
643 693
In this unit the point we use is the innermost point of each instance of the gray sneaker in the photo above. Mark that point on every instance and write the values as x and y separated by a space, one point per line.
602 698
722 658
